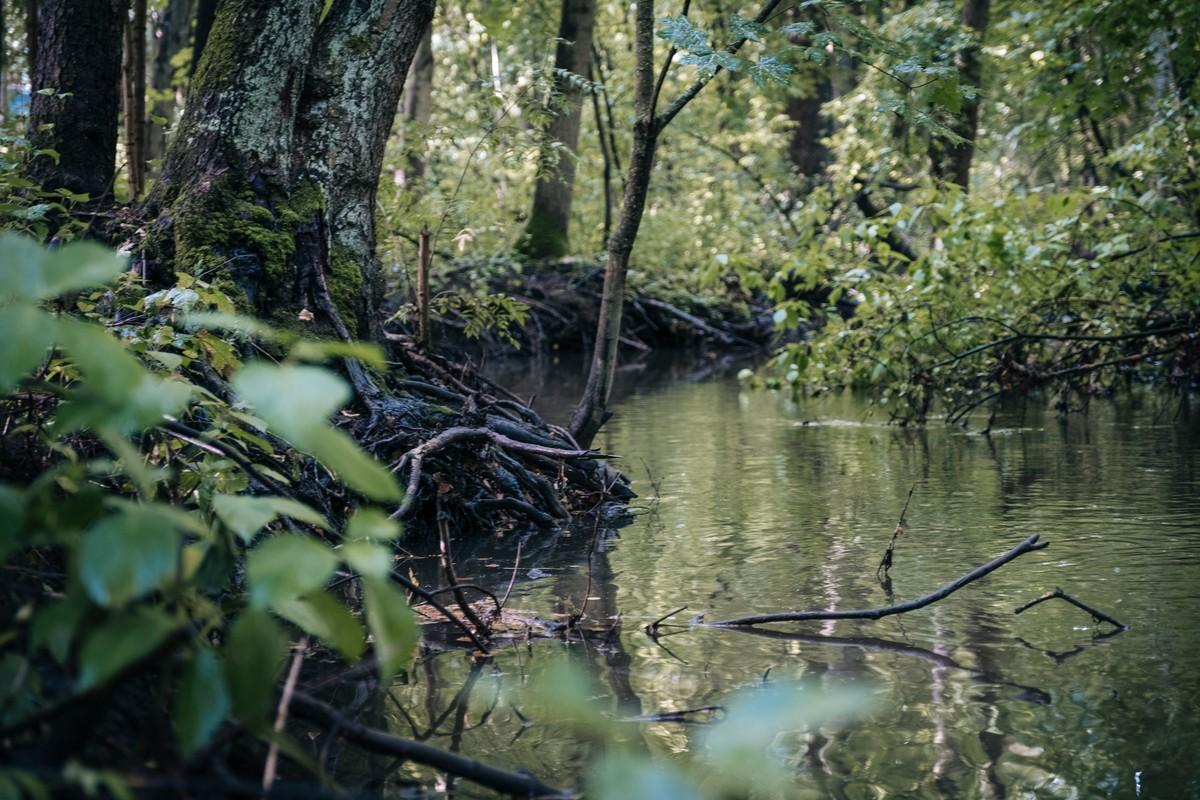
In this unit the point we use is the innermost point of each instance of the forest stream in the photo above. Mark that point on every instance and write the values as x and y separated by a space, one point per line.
749 501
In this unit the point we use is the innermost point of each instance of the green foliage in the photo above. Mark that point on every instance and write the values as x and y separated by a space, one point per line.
154 533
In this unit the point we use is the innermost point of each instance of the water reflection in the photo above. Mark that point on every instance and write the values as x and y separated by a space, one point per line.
756 511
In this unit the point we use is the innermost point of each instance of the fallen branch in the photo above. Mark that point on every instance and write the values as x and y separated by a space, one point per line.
510 783
1098 616
1027 546
724 337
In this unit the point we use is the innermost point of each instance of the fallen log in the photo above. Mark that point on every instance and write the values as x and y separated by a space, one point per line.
1027 546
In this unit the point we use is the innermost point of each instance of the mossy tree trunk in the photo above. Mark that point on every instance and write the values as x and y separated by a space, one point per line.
546 233
268 187
79 57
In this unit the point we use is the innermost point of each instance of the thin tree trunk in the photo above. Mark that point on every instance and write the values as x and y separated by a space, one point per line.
3 62
31 34
602 135
952 161
593 406
417 103
135 98
547 232
806 151
172 34
78 51
206 12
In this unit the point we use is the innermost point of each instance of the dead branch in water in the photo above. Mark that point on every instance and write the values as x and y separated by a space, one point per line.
1098 616
1027 546
510 783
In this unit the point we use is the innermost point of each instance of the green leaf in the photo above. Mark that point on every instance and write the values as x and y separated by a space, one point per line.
246 516
12 520
254 654
683 34
201 702
81 265
371 523
126 555
392 625
311 350
122 641
21 260
27 333
294 399
321 615
367 558
54 627
747 29
360 471
286 566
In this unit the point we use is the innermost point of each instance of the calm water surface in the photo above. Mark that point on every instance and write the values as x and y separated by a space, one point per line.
750 502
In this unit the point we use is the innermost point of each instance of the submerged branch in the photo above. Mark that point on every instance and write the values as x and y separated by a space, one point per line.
510 783
1027 546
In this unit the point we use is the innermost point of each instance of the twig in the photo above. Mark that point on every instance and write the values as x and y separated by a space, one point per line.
443 523
1027 546
885 563
1097 615
285 700
685 716
441 609
510 783
513 579
652 628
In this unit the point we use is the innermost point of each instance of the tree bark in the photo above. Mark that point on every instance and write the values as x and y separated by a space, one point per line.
417 103
78 52
171 35
951 161
363 52
546 233
135 98
268 188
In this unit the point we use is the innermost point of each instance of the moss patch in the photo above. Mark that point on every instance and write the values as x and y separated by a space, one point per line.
543 239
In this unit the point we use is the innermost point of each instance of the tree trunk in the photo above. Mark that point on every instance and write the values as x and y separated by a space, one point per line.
364 49
206 12
268 188
135 98
31 35
417 104
812 88
546 234
78 49
952 161
593 407
648 125
172 34
3 62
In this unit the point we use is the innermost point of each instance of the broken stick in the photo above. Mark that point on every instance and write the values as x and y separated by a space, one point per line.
1097 615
